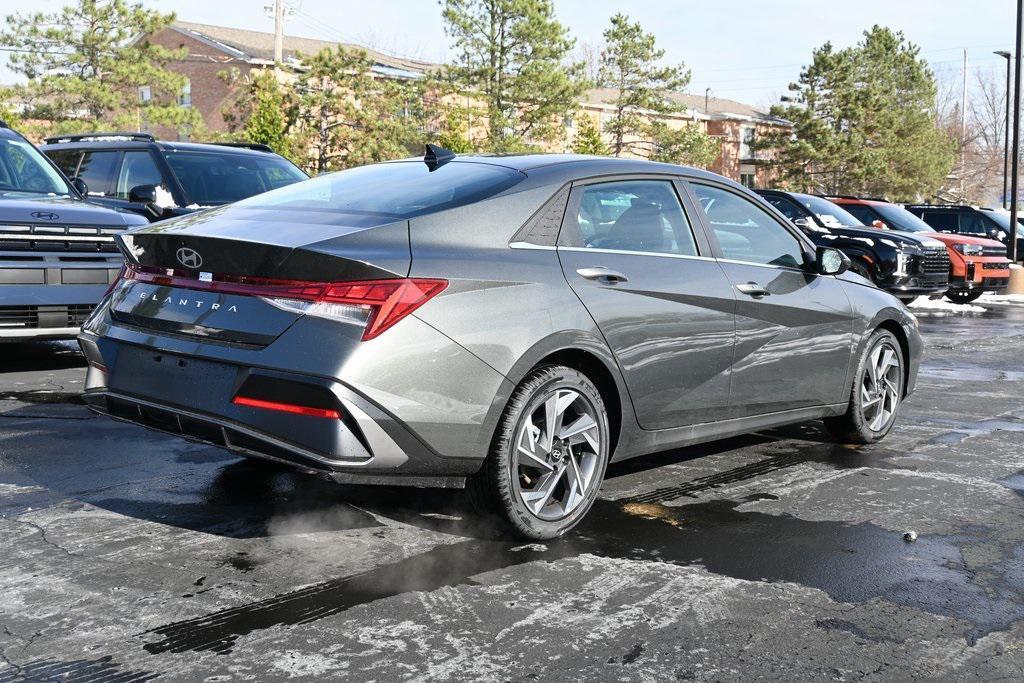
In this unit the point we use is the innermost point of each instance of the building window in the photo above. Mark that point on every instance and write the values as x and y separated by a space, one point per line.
748 175
145 94
747 136
185 98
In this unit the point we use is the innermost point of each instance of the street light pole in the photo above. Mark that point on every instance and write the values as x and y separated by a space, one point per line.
1016 134
1006 127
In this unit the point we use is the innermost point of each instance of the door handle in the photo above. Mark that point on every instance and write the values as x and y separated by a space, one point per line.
602 274
753 289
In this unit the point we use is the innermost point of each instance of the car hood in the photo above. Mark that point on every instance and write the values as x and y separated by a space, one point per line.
947 238
897 237
63 211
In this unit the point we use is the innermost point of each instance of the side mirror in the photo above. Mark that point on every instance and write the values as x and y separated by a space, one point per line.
142 194
881 225
80 185
831 261
803 222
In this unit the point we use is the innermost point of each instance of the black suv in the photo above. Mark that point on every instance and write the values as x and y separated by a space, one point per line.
969 220
57 251
902 263
158 179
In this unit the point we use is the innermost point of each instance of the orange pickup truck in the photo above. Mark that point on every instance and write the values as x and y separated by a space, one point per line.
977 264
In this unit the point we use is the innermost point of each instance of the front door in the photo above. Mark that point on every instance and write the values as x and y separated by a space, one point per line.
794 328
664 306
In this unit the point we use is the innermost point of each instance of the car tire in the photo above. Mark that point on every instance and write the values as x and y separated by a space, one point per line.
959 296
540 491
874 399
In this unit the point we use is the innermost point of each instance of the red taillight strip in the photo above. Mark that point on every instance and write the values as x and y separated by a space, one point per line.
389 301
285 407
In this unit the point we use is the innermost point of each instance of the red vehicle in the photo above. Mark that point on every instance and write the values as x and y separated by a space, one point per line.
976 264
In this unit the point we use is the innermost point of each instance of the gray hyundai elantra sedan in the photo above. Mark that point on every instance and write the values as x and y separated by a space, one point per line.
508 324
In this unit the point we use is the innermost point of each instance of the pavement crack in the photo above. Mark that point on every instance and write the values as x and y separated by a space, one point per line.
46 540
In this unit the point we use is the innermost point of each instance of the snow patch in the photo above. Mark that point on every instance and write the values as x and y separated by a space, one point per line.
923 303
1002 299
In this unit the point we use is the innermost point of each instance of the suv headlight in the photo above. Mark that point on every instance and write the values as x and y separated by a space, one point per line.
969 249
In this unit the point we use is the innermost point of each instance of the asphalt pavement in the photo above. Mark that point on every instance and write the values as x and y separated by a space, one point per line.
127 555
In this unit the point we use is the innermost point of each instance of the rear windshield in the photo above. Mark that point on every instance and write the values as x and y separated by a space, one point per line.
393 190
214 178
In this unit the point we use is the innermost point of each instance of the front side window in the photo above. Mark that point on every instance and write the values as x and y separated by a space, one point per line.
97 170
634 215
137 168
24 169
746 232
66 160
211 179
944 221
396 190
972 224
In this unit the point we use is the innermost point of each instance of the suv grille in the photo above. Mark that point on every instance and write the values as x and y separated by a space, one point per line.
935 262
70 238
41 317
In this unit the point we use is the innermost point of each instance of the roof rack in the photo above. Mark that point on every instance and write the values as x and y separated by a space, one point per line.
99 137
941 206
850 196
257 146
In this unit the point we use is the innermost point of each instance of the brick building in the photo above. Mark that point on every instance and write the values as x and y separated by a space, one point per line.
214 50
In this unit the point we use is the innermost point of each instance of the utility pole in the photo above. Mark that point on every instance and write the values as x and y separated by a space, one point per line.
1015 158
279 32
1006 129
963 129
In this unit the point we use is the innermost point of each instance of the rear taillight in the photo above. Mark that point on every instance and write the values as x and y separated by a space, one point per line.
374 304
280 407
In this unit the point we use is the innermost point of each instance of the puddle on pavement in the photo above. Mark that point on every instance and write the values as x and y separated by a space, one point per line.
850 562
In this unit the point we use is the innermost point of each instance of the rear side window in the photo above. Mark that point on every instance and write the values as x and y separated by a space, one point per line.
211 179
395 190
941 220
97 170
634 215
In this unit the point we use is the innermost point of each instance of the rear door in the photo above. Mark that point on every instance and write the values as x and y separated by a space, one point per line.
629 251
794 328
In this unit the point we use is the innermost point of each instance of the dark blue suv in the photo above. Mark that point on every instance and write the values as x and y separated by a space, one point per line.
160 179
57 251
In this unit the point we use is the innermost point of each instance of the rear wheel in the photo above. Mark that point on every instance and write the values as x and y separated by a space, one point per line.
549 454
962 296
876 394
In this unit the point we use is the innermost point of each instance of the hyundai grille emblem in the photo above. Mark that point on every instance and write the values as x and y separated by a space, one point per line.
45 215
189 258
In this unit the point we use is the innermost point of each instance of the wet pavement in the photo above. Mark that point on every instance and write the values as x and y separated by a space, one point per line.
129 555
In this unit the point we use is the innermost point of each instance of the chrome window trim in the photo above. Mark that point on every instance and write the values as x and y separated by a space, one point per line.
530 245
596 250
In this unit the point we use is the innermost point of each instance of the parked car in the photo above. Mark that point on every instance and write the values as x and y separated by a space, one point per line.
509 323
57 252
960 219
977 264
159 179
905 264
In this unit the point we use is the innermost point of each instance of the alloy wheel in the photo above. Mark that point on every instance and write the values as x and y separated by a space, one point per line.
880 386
557 454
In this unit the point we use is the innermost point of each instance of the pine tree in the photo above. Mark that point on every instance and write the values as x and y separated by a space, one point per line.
85 65
513 56
588 136
863 122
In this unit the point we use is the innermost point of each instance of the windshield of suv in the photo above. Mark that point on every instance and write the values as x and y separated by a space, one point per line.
24 170
830 215
393 190
215 178
898 218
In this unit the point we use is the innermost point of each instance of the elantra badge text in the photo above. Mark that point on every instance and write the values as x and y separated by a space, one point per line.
188 303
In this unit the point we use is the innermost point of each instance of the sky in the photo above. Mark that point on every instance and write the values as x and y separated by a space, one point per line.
747 51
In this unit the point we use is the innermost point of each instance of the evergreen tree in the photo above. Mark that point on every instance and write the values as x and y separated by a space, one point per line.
263 112
85 65
863 122
630 65
588 136
688 144
513 56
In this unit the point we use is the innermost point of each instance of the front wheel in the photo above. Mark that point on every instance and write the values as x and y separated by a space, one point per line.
876 394
961 296
548 456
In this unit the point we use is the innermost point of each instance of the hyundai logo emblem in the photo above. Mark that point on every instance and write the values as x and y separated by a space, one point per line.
45 215
189 258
